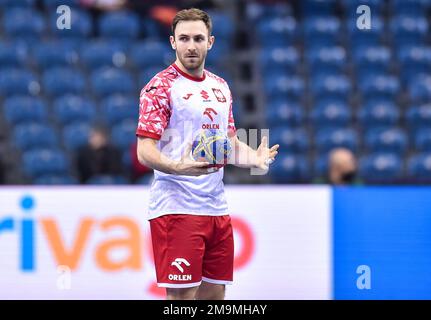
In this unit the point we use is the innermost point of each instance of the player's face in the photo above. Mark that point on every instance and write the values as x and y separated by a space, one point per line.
192 43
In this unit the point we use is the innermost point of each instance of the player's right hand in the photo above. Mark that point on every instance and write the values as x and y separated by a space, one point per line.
189 167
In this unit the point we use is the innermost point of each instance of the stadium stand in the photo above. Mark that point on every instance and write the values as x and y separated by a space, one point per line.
301 68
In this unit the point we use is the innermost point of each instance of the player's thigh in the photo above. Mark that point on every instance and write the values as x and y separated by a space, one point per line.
181 293
211 291
178 250
219 253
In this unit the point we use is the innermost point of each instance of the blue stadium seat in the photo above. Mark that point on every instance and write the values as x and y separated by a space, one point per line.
419 88
312 44
74 108
419 116
409 29
152 29
321 165
276 32
364 73
16 3
55 180
257 11
107 81
119 107
107 180
146 54
378 113
32 136
415 60
12 55
220 71
322 29
324 71
123 134
335 85
410 7
223 25
218 54
358 38
290 168
146 75
61 80
414 54
24 23
55 54
331 112
42 162
292 140
381 168
119 25
18 81
76 135
422 139
283 112
289 85
321 26
373 57
393 140
279 58
80 20
379 85
21 109
419 167
330 58
103 54
330 138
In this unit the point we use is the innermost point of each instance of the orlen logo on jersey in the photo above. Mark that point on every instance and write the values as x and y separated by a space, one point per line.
209 113
178 264
181 277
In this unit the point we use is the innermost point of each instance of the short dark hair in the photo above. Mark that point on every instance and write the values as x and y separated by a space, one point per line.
192 14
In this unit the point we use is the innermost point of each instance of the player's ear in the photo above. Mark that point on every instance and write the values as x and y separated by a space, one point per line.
210 42
173 44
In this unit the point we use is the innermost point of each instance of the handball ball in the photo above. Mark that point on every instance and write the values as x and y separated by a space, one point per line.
213 146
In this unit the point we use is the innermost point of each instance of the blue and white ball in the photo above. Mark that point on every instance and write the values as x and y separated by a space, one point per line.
213 146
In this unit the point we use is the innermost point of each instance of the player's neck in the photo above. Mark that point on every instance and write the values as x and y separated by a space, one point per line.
195 73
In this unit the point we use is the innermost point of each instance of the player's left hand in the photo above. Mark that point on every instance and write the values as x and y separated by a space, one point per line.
265 155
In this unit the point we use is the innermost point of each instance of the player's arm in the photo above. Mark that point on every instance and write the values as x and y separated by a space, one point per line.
246 157
150 156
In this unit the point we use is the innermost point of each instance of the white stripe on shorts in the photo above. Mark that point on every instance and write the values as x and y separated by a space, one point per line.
179 285
216 281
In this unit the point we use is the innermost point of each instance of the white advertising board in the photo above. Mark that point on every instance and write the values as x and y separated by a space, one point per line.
93 243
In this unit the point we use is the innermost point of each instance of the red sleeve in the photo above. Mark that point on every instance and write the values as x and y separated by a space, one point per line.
154 110
231 122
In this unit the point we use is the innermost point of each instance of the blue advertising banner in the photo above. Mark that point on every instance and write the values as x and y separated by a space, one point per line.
382 243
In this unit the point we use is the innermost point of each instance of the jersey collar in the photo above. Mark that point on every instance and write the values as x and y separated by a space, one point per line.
188 76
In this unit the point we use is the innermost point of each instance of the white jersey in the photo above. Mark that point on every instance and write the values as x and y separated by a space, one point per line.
174 107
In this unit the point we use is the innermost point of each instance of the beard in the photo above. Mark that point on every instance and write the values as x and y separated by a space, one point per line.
192 63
